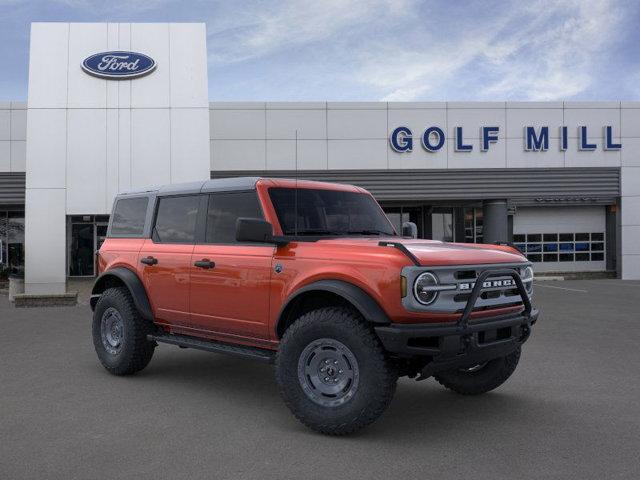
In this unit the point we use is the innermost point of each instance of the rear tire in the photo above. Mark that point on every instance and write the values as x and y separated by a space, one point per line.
120 333
482 378
333 373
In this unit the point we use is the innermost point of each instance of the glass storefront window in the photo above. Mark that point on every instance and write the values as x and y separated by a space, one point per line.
81 261
85 235
442 224
399 215
11 242
542 247
473 225
3 240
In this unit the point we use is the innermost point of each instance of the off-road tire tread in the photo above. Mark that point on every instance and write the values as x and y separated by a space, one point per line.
139 355
386 374
500 370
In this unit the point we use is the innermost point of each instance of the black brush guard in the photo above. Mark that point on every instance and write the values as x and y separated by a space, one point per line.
463 344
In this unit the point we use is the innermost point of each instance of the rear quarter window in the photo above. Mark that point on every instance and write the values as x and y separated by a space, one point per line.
129 216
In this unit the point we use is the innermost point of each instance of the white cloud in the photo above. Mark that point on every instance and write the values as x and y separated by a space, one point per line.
556 62
544 51
408 49
252 33
110 5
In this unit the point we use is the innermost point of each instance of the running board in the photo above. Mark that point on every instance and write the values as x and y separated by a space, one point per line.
185 341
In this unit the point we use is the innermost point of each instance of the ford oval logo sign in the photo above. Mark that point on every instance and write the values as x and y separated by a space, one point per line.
118 65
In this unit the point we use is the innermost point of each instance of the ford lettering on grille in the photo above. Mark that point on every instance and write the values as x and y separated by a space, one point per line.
506 283
118 65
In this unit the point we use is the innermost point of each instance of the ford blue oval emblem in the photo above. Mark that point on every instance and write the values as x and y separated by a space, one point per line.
118 65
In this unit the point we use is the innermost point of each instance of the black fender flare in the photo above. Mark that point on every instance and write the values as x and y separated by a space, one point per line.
133 284
356 296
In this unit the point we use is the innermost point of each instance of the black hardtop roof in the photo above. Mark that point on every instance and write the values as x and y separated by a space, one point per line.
206 186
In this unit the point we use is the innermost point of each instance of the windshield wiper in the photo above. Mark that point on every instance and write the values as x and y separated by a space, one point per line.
318 232
368 232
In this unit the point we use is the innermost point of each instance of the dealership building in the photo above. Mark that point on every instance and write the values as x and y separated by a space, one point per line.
118 106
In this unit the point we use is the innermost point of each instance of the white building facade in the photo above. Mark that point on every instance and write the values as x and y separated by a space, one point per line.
561 180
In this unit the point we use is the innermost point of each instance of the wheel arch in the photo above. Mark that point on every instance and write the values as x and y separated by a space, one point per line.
121 276
327 293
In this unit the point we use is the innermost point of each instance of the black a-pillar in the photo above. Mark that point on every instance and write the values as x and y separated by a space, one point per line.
495 221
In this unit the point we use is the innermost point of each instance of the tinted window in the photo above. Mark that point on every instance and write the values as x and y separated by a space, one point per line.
224 210
328 212
176 219
128 216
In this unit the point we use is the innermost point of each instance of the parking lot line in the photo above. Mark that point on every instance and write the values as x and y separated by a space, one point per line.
561 288
619 284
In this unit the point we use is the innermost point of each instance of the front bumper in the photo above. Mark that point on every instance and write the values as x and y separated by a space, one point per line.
465 343
448 346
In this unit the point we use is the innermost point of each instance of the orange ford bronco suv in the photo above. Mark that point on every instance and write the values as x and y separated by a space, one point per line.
312 277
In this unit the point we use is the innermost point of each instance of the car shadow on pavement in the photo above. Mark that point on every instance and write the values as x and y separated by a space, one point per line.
418 407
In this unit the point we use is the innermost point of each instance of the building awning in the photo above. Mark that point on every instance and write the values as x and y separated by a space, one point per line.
523 186
12 189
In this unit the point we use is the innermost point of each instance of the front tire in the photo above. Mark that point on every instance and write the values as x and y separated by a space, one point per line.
120 333
333 373
480 378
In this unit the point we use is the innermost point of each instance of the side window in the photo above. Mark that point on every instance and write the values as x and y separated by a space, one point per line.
176 219
224 210
128 217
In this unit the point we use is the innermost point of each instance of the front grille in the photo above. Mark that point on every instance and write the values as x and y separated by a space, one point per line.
498 292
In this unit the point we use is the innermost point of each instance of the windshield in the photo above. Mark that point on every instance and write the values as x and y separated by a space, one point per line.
328 212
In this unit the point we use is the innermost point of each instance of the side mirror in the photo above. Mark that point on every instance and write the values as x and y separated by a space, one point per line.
409 229
253 230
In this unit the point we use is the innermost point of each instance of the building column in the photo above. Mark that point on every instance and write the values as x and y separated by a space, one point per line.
45 241
495 221
630 222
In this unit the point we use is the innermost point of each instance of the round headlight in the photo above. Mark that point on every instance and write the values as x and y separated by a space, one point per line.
527 279
423 288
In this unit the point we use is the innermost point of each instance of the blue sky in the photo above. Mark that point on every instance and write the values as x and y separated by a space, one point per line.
377 49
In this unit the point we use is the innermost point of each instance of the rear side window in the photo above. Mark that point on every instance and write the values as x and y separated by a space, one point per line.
176 219
224 209
128 217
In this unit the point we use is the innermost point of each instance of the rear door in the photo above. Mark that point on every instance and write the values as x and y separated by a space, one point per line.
165 258
230 280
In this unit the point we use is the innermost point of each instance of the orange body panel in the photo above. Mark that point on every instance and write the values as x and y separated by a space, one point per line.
167 283
242 297
233 297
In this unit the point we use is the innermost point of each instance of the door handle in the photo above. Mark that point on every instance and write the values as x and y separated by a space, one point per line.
204 263
149 260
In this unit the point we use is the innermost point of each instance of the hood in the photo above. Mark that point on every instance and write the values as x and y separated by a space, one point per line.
434 252
444 253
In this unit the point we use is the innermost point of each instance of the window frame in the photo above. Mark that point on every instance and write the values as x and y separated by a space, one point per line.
546 253
154 218
150 205
202 240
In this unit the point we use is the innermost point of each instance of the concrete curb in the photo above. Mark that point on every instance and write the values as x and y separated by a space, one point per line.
23 300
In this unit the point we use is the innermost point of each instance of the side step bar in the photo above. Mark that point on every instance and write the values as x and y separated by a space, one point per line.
185 341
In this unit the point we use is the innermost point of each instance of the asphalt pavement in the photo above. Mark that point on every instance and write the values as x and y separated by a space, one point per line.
570 411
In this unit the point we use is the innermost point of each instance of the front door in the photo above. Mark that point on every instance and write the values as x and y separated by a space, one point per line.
229 280
81 251
165 259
